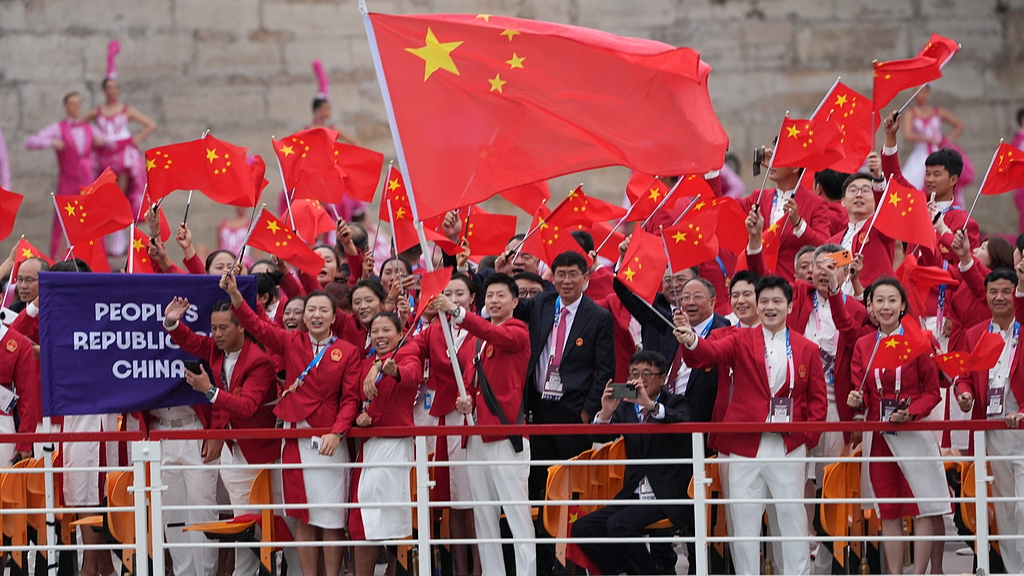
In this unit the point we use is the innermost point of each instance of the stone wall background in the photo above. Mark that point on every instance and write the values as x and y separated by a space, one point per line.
241 68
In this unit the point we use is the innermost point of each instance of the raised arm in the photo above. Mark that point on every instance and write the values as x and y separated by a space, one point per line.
196 345
269 334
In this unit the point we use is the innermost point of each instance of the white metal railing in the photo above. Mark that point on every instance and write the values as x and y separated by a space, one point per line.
149 508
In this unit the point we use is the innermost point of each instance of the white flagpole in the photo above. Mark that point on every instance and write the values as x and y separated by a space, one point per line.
878 208
64 229
400 153
823 100
248 233
131 249
771 164
982 187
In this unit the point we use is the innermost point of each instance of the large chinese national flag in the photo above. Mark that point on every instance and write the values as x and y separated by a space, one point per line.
486 103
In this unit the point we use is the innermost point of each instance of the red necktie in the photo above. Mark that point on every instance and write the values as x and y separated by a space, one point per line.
560 337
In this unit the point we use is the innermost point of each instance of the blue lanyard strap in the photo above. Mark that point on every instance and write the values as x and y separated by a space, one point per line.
1016 331
316 359
789 360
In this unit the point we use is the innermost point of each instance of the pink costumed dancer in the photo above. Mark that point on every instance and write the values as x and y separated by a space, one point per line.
120 151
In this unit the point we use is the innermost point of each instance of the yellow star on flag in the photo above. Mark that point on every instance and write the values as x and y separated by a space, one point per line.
287 151
516 61
890 344
150 164
895 199
137 244
510 33
393 185
437 55
70 209
629 274
679 237
497 83
273 227
211 155
841 100
400 213
484 17
655 194
793 131
26 253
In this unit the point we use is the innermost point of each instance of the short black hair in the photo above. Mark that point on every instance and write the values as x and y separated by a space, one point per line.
569 259
72 265
405 264
530 277
505 280
318 102
373 286
225 306
314 293
745 276
465 279
212 255
771 282
1001 274
359 236
516 238
831 183
651 358
948 158
266 261
856 176
390 316
267 283
584 239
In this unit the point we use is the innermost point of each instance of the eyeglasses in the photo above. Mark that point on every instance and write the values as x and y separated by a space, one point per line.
855 191
529 293
645 375
693 297
574 275
26 280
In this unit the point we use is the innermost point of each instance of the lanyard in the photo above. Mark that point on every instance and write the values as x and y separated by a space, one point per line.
1013 349
638 408
941 301
789 360
725 274
316 359
553 344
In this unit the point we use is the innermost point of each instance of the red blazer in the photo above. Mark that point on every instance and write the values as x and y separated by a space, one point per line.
977 382
919 381
624 346
429 346
600 285
27 326
319 398
812 209
20 369
860 325
504 359
878 253
968 306
253 386
348 327
743 349
838 219
395 398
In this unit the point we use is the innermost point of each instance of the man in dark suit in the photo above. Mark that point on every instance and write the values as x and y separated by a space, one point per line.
654 404
572 357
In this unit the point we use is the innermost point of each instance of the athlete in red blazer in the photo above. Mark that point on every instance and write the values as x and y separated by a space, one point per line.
19 371
814 212
430 346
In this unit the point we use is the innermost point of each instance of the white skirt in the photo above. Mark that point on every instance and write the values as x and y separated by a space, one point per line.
386 485
325 485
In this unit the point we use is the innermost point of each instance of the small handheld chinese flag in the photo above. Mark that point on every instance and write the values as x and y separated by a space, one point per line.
1006 172
101 209
271 236
488 234
904 216
983 358
9 204
643 266
812 144
215 167
311 220
141 263
852 112
25 250
308 166
898 349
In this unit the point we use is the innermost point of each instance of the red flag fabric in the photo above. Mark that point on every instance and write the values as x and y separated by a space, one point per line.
9 204
25 250
403 228
311 220
308 166
692 241
258 170
891 78
643 265
904 216
141 263
432 284
919 280
484 104
552 237
645 193
984 356
529 196
578 208
770 244
361 170
852 112
1006 172
93 254
900 348
731 227
99 210
610 250
573 552
811 144
273 237
488 234
940 48
216 168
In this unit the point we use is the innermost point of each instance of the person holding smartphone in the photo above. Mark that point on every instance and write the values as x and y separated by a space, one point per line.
240 387
646 401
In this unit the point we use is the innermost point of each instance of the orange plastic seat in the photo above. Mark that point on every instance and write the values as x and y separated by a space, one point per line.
13 496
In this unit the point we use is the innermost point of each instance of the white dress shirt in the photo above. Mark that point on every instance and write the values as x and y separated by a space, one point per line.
999 375
775 348
546 353
683 377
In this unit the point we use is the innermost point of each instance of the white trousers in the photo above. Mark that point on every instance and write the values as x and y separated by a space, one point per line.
501 483
750 478
83 488
1009 483
238 484
192 488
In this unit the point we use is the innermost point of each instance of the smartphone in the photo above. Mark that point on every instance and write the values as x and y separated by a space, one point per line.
623 391
193 366
314 443
758 160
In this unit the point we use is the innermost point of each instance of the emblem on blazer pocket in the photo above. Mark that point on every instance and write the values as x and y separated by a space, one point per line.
802 371
236 391
489 351
579 341
12 345
337 355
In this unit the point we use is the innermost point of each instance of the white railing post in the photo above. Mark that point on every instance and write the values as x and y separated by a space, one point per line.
147 452
981 480
700 514
50 498
423 486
